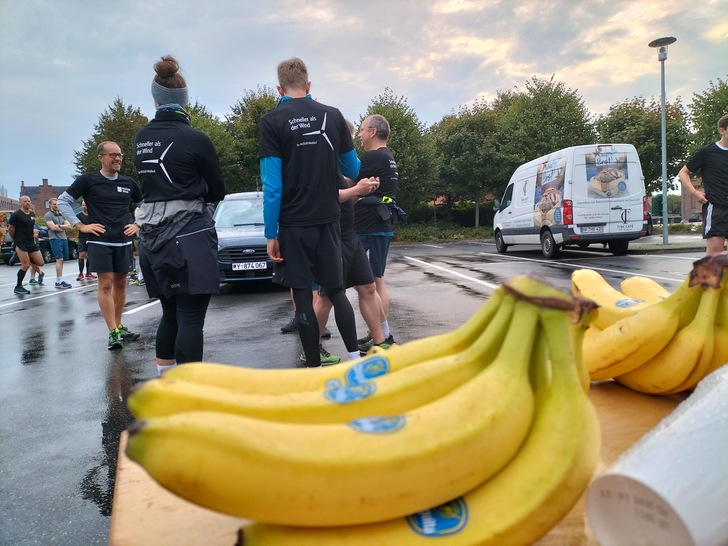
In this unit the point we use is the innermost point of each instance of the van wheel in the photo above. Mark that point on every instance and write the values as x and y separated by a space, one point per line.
500 246
549 248
618 248
47 254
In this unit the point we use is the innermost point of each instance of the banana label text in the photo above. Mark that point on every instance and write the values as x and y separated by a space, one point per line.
447 519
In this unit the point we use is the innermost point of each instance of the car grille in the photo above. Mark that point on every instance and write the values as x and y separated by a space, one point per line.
243 254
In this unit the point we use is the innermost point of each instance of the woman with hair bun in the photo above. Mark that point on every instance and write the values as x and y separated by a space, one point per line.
180 177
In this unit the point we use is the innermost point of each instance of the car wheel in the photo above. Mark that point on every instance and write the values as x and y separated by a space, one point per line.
73 251
549 248
618 248
500 246
47 255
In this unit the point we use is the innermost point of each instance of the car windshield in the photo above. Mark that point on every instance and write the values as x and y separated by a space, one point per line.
239 212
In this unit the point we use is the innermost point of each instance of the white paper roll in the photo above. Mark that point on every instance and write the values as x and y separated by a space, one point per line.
671 487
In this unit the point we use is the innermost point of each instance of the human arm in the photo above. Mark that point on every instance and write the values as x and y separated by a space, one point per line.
349 164
364 187
272 178
65 205
687 184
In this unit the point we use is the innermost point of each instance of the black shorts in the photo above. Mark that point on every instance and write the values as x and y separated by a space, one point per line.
29 248
357 271
311 254
109 259
82 245
377 248
715 223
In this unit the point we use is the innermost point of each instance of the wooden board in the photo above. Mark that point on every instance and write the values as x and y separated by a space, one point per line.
145 513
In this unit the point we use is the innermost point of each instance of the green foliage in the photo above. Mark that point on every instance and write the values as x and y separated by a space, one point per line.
639 123
119 123
439 233
410 146
203 120
706 109
244 126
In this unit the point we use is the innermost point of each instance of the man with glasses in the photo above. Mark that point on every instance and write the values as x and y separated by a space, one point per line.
108 195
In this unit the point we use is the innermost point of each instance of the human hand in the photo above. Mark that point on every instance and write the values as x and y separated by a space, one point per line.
274 251
94 229
131 229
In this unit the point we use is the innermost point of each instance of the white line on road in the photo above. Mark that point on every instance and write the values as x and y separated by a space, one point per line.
141 307
451 272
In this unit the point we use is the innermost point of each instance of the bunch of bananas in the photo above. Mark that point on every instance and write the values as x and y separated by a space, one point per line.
653 341
499 421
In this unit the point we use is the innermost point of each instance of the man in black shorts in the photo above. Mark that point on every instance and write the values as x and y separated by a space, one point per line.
108 195
21 226
373 221
712 162
303 146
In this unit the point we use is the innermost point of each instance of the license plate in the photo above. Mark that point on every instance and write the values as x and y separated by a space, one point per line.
249 265
592 229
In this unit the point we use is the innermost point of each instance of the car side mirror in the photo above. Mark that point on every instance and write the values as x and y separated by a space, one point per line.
496 204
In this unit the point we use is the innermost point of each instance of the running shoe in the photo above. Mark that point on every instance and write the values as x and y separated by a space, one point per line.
21 290
63 284
292 326
90 276
386 344
327 359
366 339
326 334
80 277
114 340
40 277
126 335
33 281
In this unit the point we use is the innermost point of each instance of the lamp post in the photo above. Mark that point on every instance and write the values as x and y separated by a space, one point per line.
661 44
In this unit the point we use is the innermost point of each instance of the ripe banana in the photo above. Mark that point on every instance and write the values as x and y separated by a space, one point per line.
720 346
387 395
280 381
368 470
643 288
687 354
516 506
634 339
580 324
613 305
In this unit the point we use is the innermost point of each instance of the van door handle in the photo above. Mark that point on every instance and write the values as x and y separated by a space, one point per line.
617 208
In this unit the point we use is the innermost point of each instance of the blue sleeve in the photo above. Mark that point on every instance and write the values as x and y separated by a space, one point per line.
270 174
349 164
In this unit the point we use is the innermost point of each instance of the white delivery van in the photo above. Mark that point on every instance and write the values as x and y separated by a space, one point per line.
575 196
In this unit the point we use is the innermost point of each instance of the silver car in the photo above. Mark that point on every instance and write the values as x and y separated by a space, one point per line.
242 246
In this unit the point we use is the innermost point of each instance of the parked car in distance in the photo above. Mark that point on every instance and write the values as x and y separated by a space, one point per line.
6 249
694 217
242 246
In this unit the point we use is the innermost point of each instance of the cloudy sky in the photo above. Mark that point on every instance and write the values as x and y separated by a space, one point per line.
62 63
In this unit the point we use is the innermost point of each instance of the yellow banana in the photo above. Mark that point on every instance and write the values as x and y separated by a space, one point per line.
516 506
720 346
643 288
279 381
387 395
580 324
365 471
613 305
633 340
687 354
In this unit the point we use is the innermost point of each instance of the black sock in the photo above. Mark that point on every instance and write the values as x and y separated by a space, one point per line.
21 276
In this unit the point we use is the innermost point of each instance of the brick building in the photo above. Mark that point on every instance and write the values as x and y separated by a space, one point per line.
40 195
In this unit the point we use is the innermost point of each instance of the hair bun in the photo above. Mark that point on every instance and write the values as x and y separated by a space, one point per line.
167 67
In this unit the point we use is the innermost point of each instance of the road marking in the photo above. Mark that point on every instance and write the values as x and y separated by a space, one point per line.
451 272
574 266
141 308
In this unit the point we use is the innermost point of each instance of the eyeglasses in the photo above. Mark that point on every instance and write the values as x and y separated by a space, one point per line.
113 155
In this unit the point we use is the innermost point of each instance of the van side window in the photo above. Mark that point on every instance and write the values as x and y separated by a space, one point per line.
507 197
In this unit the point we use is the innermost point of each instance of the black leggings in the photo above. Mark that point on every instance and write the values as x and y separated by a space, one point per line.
179 334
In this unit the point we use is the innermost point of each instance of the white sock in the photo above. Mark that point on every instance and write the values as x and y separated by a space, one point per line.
354 355
162 369
385 329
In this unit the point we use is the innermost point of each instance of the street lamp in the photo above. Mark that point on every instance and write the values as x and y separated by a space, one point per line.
662 44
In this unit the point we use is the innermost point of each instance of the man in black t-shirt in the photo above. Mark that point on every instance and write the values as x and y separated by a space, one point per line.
712 162
108 195
373 221
21 226
303 145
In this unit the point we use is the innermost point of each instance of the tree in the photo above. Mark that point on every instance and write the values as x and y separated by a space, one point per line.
203 120
639 123
118 123
410 146
244 126
542 119
706 109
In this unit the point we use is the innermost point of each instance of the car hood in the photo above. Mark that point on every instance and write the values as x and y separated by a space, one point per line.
241 235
